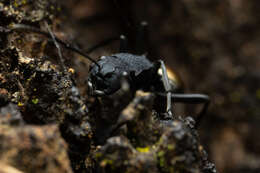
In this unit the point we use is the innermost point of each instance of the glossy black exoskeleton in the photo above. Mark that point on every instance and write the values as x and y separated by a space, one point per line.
140 72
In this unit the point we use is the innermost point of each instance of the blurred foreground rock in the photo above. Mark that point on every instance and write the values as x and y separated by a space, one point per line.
4 168
30 148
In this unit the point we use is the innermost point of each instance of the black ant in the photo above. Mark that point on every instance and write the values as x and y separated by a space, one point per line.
106 74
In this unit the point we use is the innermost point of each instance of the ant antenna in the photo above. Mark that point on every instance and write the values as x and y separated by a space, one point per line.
57 45
49 35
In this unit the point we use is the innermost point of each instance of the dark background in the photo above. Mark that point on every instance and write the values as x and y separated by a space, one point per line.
213 45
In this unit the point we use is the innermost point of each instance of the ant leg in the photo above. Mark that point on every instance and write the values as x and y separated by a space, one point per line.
57 46
142 38
192 99
124 47
167 87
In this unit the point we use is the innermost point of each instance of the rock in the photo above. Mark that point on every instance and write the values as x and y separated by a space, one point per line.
34 149
10 115
118 155
4 168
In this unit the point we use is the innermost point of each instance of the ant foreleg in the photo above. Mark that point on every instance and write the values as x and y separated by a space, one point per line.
192 99
167 88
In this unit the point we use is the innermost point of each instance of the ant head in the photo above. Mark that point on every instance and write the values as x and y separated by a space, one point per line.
104 78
